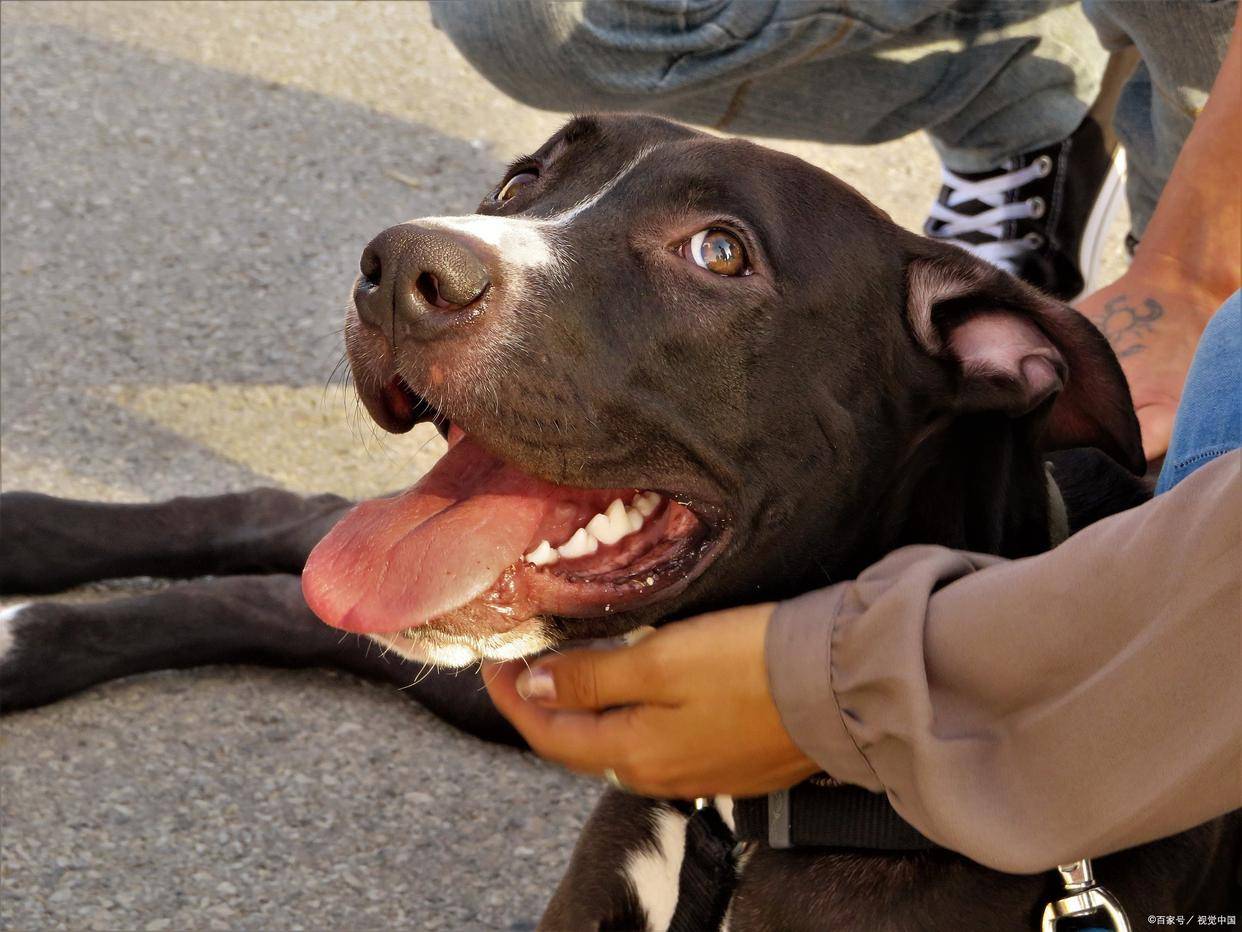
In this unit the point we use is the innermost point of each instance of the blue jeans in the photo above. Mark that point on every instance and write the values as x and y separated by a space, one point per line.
1209 417
985 80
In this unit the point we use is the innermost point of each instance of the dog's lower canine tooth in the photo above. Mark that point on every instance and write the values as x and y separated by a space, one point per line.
542 555
634 516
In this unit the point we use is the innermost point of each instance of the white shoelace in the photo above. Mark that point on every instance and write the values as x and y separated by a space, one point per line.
991 191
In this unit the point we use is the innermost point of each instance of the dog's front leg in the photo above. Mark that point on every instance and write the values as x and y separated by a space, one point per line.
50 544
625 868
49 650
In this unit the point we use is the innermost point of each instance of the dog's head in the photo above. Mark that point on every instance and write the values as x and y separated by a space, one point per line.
678 372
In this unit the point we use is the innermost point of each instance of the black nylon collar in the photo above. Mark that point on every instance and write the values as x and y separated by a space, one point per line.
824 814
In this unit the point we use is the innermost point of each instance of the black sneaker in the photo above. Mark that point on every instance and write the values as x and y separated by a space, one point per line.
1042 215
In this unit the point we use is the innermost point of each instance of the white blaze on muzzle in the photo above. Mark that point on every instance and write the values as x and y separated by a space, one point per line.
530 244
521 242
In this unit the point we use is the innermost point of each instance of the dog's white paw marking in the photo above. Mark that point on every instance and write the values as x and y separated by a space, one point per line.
8 623
654 869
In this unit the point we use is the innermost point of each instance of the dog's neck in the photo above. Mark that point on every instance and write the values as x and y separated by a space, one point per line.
979 484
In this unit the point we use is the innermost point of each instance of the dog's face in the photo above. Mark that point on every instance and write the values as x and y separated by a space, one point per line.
676 372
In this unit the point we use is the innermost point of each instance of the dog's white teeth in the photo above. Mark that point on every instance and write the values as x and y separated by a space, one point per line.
601 529
607 527
647 503
617 522
543 555
582 544
612 525
616 515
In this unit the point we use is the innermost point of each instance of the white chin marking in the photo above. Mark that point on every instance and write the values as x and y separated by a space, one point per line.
654 869
8 623
425 645
451 655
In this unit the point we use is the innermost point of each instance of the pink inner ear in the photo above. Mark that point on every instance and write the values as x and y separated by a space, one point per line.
1007 361
1010 363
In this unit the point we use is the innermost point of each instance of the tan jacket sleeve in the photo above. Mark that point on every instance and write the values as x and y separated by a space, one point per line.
1034 712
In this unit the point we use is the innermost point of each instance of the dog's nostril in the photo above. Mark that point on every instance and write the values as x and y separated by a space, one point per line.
423 278
371 267
429 287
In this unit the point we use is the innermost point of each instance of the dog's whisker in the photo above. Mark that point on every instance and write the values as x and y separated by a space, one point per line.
425 672
483 678
327 385
324 337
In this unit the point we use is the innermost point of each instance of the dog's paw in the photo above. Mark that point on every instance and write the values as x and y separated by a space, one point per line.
37 654
10 622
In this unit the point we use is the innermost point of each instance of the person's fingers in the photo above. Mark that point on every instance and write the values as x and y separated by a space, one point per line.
588 742
595 679
1156 425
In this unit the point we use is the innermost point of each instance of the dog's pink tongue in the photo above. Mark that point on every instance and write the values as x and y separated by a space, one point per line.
396 562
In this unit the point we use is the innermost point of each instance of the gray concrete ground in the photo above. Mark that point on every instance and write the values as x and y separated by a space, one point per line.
186 189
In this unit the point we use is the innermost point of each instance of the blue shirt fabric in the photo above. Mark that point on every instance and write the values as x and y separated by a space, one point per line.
1209 417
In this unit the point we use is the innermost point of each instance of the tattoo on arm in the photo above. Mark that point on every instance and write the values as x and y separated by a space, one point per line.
1126 322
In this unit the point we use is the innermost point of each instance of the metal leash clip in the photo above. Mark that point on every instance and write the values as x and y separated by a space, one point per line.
1084 897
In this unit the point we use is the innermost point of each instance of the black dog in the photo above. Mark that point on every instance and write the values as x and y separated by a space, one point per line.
677 373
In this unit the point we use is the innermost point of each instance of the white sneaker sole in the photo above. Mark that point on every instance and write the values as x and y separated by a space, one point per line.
1099 221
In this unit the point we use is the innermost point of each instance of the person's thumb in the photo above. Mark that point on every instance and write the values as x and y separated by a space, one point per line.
587 679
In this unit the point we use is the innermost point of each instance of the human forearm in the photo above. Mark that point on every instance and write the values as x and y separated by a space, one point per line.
1187 264
1195 233
1038 711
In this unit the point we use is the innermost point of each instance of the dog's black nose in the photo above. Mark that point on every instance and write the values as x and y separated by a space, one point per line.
418 277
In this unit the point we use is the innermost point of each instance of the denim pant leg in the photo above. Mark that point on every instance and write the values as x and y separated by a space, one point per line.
1182 44
986 80
1209 417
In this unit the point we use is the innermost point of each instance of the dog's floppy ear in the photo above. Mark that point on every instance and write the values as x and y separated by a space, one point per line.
1014 348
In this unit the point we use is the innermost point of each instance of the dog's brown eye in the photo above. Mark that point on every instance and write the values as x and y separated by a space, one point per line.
717 250
514 185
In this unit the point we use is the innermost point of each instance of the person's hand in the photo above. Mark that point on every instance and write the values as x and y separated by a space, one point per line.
1187 262
685 712
1153 317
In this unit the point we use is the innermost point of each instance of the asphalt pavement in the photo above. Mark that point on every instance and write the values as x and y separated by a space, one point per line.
186 189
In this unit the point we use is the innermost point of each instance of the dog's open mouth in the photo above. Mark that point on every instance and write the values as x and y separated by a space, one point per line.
477 540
